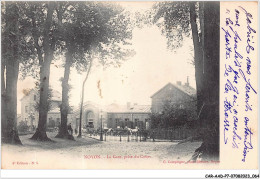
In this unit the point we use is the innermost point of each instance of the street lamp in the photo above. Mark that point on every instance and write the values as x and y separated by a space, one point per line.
101 134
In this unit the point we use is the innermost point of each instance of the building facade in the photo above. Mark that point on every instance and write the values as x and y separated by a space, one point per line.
181 96
91 116
113 116
130 116
30 114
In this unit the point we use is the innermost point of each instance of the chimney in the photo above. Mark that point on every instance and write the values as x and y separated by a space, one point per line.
179 83
128 105
187 84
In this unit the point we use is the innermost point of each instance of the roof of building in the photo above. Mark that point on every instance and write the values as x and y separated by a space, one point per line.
27 92
56 95
184 88
116 108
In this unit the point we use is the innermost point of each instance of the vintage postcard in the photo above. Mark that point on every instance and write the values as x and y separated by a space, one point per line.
129 85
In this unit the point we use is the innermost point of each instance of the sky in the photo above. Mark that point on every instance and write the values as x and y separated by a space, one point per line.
137 79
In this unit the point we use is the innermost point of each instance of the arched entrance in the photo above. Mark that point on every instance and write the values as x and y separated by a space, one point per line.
90 117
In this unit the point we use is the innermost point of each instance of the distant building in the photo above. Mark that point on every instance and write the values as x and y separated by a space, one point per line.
30 115
182 96
130 116
91 115
114 116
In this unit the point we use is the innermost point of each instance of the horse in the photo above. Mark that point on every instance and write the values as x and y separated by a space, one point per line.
134 131
128 130
110 131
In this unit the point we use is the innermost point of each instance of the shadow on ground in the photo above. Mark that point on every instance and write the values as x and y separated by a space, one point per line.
56 143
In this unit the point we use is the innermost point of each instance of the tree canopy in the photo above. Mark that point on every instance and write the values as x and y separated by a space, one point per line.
173 18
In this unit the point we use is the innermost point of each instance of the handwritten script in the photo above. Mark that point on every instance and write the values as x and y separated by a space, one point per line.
239 91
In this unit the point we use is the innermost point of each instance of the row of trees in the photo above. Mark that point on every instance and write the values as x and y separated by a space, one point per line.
36 33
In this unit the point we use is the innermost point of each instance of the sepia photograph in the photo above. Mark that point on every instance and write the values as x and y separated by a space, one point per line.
111 85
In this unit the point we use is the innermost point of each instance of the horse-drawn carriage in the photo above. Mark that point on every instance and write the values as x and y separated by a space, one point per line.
116 131
122 131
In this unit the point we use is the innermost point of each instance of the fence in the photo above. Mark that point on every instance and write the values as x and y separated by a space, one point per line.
172 134
154 135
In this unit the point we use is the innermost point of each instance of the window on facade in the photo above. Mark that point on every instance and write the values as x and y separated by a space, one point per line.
109 124
51 123
117 122
58 120
34 97
26 109
90 115
136 122
90 118
126 122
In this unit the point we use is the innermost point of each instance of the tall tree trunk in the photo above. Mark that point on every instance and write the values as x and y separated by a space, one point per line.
82 98
198 57
3 90
40 133
210 116
208 78
63 131
12 69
